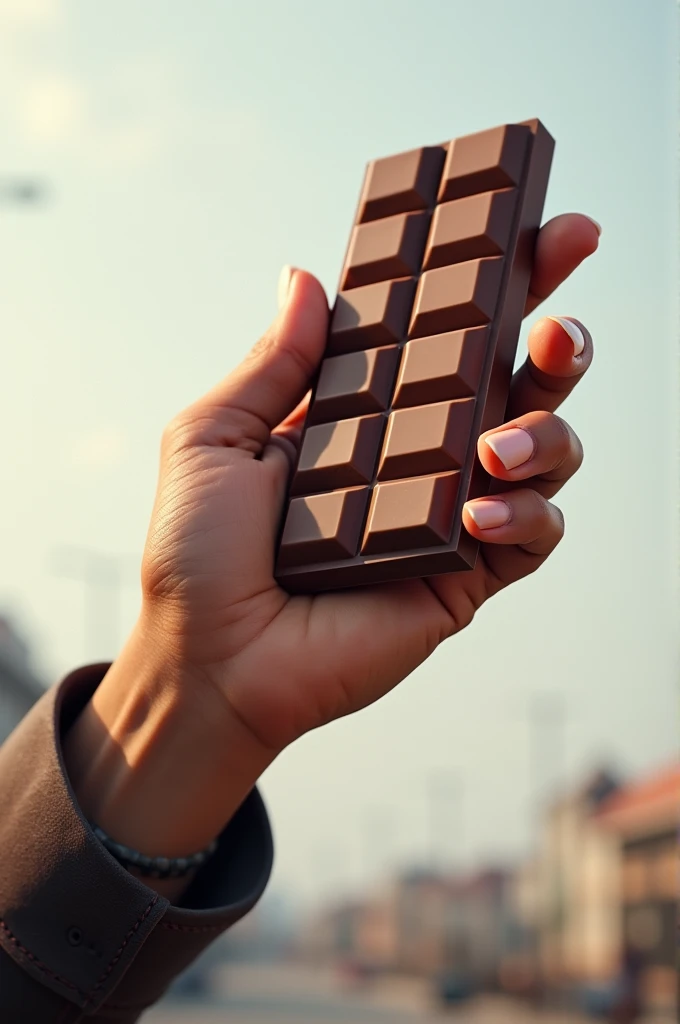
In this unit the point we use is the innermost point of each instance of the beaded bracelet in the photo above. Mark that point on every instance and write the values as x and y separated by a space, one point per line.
153 867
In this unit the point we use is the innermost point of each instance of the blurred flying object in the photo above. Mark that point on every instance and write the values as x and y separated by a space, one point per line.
22 191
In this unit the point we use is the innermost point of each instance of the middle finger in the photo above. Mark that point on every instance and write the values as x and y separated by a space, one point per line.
539 446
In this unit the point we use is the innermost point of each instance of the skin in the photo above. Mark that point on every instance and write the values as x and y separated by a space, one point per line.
224 669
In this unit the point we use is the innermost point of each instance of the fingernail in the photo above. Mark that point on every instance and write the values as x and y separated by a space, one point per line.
513 447
489 515
573 331
593 221
285 277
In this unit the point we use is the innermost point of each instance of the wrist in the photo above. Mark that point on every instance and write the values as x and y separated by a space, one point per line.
158 758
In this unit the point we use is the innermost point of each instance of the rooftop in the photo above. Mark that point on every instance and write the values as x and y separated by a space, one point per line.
652 802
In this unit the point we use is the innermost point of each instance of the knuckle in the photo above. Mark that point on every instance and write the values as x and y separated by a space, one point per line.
558 518
177 433
280 345
215 426
564 439
238 428
259 350
578 453
566 446
171 433
542 511
538 515
302 363
546 529
550 529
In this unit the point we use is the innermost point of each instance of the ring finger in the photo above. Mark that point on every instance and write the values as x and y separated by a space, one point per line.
538 446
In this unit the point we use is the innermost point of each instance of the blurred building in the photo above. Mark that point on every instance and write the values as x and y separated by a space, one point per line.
643 819
603 881
457 924
19 686
576 900
407 926
422 915
518 969
335 932
424 924
482 926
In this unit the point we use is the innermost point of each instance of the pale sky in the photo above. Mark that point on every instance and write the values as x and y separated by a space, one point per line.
191 150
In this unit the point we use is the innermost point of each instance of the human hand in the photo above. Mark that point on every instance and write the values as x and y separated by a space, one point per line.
285 665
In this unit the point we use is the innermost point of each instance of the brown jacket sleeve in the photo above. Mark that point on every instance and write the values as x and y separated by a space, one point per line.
81 939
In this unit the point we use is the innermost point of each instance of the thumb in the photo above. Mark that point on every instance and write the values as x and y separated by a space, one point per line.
276 374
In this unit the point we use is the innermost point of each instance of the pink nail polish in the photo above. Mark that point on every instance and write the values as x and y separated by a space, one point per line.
574 332
513 447
488 514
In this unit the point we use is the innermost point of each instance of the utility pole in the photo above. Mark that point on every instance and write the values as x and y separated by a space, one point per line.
547 745
377 837
104 576
445 810
547 723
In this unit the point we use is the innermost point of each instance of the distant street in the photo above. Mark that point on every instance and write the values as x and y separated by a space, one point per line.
285 994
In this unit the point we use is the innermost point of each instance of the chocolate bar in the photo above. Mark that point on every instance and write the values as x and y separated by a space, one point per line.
418 362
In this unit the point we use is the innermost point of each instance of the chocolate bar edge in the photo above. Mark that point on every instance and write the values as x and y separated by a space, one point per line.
500 356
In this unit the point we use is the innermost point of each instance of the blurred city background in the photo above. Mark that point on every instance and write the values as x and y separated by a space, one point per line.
497 840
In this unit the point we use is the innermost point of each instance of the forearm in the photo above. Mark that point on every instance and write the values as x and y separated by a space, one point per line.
158 759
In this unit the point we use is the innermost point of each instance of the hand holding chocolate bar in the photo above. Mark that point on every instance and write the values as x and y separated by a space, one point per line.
249 667
290 663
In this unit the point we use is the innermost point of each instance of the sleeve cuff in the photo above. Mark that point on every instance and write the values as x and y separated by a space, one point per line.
72 917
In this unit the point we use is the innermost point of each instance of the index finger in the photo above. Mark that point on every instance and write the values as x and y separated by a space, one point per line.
562 244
